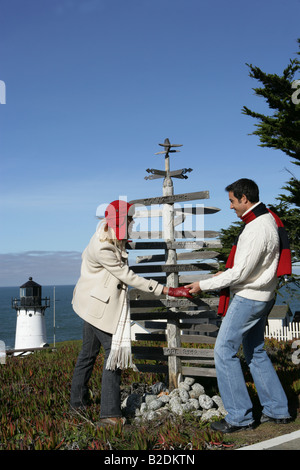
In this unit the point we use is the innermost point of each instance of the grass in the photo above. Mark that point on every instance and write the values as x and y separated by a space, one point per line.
35 415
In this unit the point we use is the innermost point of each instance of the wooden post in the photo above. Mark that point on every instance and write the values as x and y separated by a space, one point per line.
173 331
192 312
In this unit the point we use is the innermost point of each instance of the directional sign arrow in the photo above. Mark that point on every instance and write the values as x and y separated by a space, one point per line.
172 199
174 174
177 210
168 144
156 172
166 152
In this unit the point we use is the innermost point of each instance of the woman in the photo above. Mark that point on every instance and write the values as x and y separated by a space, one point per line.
100 298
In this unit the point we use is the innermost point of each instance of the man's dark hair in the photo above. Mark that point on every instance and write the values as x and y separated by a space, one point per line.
244 186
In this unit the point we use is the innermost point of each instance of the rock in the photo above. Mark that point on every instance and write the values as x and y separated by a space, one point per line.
155 404
175 405
184 396
217 400
174 400
197 413
205 402
131 404
190 397
177 408
194 403
209 414
189 381
148 398
197 390
158 387
165 398
187 407
184 386
150 415
143 408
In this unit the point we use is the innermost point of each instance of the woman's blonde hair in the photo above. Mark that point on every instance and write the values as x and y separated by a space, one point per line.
107 234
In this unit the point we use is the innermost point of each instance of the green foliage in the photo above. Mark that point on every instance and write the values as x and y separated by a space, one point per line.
281 130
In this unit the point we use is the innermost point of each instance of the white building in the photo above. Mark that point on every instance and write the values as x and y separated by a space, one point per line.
31 326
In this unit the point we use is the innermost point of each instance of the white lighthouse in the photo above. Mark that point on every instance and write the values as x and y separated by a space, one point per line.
31 326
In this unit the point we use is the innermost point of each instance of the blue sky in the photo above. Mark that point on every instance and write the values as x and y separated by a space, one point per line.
92 87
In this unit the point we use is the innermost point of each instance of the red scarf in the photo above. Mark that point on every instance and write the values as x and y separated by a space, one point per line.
285 262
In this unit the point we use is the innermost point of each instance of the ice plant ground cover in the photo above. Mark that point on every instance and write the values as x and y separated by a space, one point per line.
35 414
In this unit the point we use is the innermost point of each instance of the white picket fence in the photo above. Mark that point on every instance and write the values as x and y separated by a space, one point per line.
285 333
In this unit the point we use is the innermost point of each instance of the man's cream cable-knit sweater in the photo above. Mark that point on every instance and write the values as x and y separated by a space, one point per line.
253 275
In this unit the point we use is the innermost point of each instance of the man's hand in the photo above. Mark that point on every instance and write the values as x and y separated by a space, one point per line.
193 288
179 292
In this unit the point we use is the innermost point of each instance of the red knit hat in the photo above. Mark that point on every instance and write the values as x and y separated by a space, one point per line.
116 216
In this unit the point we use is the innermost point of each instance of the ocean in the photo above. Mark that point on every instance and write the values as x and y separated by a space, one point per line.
68 326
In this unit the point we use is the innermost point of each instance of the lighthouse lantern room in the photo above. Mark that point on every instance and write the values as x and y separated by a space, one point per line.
31 326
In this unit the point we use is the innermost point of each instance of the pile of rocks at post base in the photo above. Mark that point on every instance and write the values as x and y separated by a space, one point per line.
151 402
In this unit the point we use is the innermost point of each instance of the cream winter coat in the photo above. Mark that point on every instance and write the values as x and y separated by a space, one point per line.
100 292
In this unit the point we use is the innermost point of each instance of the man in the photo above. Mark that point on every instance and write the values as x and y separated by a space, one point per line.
252 278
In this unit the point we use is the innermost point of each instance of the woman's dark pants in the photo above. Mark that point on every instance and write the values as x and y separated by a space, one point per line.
93 338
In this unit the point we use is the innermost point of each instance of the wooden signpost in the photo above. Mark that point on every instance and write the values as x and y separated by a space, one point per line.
174 319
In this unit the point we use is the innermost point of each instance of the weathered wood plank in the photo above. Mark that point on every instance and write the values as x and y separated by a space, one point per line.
174 268
196 234
198 210
150 337
180 303
198 339
200 327
195 327
189 278
172 198
180 256
155 325
188 352
198 371
161 352
150 315
173 245
183 279
150 353
197 255
209 362
181 234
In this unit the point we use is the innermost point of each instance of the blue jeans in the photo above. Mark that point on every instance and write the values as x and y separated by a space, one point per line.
244 324
93 338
